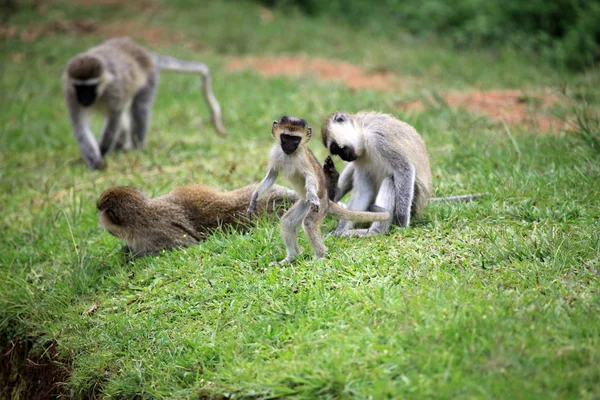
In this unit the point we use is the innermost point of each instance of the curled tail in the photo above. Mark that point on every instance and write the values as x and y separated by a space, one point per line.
166 63
340 212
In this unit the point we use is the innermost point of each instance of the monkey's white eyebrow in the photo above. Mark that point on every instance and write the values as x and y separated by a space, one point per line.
93 81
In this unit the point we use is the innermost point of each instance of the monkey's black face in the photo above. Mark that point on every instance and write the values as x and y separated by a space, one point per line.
346 153
86 94
289 143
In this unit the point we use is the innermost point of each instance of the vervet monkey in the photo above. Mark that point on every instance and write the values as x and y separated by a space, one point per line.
291 156
183 217
119 79
389 167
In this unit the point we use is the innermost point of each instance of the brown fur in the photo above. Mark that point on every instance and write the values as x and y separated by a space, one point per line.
183 217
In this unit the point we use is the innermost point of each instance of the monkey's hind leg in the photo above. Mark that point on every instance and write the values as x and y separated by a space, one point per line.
112 126
140 112
289 230
312 227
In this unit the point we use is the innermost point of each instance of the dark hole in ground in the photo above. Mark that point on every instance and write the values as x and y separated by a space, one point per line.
32 377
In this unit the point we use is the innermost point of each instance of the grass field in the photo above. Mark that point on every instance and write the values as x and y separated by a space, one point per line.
497 298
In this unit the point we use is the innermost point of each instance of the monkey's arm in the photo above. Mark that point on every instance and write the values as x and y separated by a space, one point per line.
360 199
404 187
311 191
111 126
264 185
85 137
345 182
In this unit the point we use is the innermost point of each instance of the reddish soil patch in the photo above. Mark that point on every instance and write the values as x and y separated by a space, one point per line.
138 4
511 106
337 71
137 30
514 107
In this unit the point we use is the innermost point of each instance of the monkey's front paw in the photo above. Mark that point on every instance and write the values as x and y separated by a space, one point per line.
98 165
329 164
314 202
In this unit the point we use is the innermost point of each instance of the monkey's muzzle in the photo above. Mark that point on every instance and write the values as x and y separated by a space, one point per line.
289 143
346 153
86 94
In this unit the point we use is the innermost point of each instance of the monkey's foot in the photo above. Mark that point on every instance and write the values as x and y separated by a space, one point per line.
285 261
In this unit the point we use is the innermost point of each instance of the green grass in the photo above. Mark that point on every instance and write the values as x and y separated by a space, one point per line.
497 298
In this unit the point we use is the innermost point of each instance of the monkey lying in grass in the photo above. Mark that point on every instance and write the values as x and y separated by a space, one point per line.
185 216
291 156
119 78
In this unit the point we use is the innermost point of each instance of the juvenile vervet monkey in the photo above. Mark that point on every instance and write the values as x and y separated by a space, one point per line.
119 79
291 156
389 167
183 217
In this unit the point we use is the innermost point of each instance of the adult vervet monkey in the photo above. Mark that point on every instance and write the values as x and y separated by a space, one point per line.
119 79
388 167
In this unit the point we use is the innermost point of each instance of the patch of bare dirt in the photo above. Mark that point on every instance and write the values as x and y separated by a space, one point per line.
31 377
511 106
514 107
138 4
137 30
336 71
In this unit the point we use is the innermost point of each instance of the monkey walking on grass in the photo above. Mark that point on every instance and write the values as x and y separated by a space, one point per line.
291 156
388 167
183 217
119 78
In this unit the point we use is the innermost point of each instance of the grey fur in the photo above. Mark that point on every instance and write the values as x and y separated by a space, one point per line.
127 77
391 169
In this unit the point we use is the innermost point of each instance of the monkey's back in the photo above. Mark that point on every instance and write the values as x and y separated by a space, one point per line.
398 137
130 63
208 209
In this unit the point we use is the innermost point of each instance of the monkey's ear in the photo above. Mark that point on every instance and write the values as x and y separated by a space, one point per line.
275 123
308 134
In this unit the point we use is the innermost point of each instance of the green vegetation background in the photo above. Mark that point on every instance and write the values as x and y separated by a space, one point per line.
497 298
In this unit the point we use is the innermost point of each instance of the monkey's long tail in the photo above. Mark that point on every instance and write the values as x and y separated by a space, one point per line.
340 212
166 63
465 197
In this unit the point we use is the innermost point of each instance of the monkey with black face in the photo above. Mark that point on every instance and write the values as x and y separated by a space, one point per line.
119 78
291 156
389 167
183 217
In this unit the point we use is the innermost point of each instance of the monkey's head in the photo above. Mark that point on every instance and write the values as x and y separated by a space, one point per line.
291 132
87 77
340 136
121 211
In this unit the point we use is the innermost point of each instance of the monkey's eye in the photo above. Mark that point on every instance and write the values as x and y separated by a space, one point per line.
339 118
112 216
